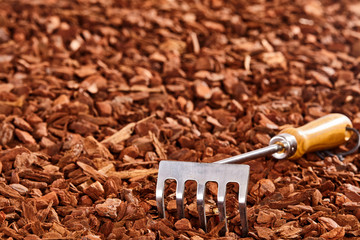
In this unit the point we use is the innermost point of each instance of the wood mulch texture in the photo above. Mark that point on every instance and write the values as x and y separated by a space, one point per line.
94 93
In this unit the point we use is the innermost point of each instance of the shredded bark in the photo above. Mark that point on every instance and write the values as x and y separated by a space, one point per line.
93 94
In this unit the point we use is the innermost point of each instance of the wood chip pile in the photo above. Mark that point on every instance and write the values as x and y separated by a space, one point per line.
94 93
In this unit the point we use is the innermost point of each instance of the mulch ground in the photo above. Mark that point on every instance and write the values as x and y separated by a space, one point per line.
94 93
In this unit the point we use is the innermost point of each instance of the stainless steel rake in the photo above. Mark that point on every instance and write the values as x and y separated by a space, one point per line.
324 133
203 173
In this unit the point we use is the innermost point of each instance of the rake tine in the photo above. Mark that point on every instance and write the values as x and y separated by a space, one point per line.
200 205
222 205
160 185
180 186
242 210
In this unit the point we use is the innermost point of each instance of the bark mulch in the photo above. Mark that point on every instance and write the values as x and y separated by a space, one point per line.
94 93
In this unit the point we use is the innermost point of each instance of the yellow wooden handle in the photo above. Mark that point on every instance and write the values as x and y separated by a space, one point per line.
323 133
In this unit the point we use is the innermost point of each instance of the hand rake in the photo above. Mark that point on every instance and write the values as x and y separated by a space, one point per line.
324 133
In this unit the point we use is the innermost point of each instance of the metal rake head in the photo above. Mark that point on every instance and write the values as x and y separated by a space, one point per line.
203 173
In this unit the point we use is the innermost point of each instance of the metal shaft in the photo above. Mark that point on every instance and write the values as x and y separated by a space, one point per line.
262 152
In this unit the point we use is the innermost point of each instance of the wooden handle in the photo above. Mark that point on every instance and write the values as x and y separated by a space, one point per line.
324 133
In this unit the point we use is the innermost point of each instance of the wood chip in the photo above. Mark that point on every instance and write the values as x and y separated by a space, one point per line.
108 208
25 137
91 172
136 173
158 146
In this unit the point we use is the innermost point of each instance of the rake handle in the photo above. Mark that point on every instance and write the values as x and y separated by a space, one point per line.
323 133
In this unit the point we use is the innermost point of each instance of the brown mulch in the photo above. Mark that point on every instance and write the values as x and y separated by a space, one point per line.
94 93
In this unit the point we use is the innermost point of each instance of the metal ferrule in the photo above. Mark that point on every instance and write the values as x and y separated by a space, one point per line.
288 142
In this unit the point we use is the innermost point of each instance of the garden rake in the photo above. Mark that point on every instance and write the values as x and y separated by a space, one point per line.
324 133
